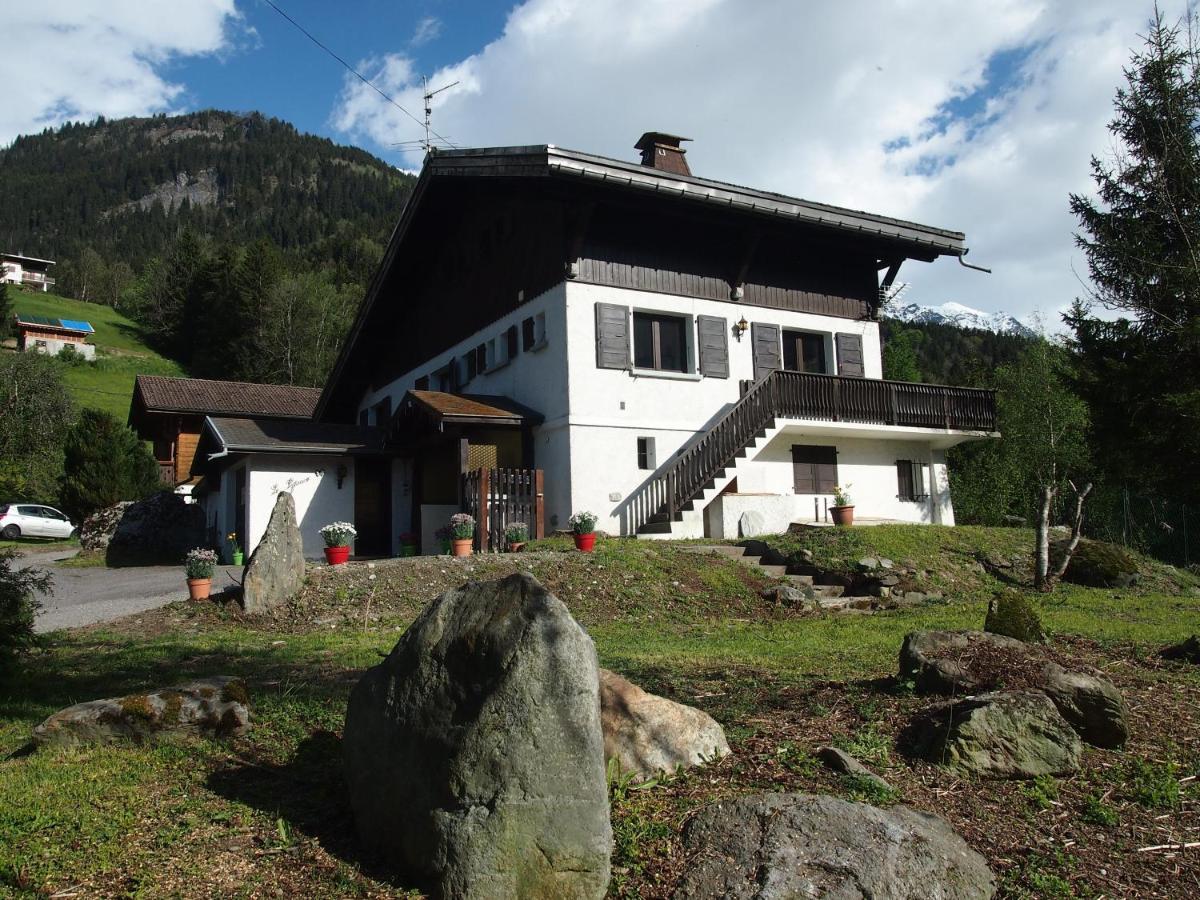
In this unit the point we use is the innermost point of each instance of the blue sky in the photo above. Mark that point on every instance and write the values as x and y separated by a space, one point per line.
976 115
274 68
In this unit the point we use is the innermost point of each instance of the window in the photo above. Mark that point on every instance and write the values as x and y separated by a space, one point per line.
814 469
364 417
481 358
533 332
443 378
804 351
382 411
510 341
660 342
645 453
911 480
422 383
467 367
527 339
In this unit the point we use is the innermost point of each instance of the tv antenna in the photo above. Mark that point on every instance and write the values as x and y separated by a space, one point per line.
429 144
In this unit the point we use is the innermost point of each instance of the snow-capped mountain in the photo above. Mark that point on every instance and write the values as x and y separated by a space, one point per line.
960 316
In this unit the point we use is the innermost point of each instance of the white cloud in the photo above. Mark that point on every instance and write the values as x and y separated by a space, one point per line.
427 30
839 103
77 59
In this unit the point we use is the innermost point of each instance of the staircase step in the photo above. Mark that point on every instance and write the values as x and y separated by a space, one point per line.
773 571
801 580
847 603
830 591
716 550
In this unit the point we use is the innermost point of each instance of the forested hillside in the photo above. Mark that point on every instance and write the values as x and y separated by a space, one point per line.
125 188
946 354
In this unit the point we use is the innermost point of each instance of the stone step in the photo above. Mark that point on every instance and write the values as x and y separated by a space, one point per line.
773 571
837 604
801 580
716 550
828 590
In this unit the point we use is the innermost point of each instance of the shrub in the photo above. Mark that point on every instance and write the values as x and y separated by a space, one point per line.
1099 564
18 605
1012 615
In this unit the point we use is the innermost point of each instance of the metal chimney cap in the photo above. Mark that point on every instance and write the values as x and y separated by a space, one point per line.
650 138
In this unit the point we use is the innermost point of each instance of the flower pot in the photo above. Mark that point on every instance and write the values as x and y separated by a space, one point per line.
462 546
585 543
198 588
516 546
408 549
445 547
337 556
238 558
842 515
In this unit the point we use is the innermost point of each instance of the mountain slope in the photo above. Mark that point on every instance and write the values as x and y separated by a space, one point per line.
126 187
961 317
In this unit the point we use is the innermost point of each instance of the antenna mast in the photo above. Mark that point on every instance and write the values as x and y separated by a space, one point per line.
429 95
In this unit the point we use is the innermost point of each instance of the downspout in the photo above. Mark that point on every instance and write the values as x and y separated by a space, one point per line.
965 264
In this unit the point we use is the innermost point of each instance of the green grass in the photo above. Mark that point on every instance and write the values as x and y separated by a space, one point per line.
266 815
122 352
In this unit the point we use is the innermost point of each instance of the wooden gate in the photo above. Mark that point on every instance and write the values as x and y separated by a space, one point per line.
501 497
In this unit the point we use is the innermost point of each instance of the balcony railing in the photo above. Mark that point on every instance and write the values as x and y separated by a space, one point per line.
36 278
824 398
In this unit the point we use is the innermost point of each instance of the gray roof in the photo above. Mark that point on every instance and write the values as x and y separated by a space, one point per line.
236 435
547 159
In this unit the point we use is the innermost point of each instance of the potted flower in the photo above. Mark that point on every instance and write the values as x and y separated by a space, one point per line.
199 565
337 537
843 507
235 549
516 534
462 533
445 535
583 527
408 543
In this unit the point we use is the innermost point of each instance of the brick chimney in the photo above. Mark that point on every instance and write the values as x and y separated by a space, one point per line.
662 151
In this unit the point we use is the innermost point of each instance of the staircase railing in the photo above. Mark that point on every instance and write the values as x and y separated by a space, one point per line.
830 398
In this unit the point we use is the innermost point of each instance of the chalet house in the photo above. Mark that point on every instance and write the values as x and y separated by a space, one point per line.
552 331
170 412
42 334
27 271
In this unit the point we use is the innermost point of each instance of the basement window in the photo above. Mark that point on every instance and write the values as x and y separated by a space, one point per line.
911 480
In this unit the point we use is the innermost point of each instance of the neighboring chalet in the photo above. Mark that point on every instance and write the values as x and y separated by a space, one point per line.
170 413
27 271
552 331
51 336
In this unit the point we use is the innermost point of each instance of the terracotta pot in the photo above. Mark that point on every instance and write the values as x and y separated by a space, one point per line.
462 546
842 515
337 556
585 542
198 588
516 546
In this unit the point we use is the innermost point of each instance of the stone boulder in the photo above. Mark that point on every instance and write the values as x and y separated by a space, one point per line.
276 568
1090 703
776 846
212 707
474 753
1098 564
840 761
159 530
940 662
751 523
1186 651
648 734
1006 734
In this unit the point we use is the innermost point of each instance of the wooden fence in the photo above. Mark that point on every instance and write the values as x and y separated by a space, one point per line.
501 497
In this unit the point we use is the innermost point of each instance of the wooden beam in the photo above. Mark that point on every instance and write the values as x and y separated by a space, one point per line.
738 282
579 219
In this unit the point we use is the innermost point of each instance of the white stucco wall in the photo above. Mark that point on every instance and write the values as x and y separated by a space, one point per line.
313 484
610 408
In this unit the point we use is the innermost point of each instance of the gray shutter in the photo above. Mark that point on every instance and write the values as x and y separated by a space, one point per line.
764 339
850 355
904 479
612 336
803 478
714 346
826 469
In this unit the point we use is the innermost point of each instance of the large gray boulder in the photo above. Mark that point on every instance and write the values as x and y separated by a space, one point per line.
942 662
1006 734
474 753
276 568
648 734
777 846
211 707
159 530
1090 702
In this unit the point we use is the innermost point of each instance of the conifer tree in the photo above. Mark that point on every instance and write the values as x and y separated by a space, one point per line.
104 463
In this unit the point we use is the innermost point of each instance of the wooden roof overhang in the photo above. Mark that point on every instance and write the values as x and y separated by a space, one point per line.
226 439
422 415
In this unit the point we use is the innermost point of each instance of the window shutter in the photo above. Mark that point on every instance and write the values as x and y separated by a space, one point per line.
850 355
510 337
527 333
612 336
469 366
764 339
814 469
904 479
918 477
802 471
826 470
713 339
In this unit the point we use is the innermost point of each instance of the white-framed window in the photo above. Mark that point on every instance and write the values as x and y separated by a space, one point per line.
807 351
533 332
662 342
912 480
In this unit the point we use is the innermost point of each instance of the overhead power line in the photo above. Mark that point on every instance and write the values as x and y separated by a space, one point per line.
353 71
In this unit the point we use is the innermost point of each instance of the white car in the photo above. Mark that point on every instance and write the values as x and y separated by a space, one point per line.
32 520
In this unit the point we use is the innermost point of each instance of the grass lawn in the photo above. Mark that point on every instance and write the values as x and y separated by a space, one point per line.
266 815
107 383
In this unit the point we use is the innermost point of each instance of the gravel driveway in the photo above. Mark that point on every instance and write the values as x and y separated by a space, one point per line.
89 595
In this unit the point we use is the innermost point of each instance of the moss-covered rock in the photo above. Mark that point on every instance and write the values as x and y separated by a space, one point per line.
1098 564
1014 616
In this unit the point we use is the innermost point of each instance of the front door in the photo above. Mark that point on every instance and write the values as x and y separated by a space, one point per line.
373 507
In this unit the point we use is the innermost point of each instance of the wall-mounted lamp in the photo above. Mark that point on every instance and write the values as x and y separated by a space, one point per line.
739 327
342 471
